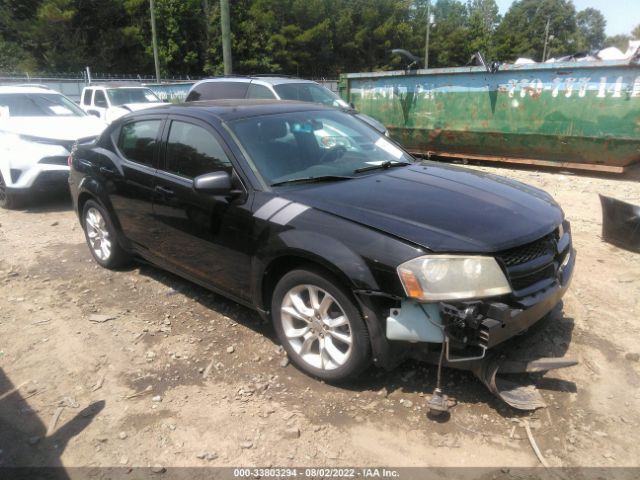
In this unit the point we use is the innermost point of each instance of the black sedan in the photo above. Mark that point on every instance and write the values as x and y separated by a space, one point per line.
355 250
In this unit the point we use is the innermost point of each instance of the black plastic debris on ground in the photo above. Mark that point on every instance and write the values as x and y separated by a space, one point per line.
620 223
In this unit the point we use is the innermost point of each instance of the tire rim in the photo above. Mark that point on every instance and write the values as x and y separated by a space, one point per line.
98 235
3 189
316 327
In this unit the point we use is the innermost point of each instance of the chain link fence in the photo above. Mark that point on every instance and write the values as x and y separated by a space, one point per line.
171 88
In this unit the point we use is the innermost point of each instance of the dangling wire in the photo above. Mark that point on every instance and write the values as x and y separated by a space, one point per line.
440 362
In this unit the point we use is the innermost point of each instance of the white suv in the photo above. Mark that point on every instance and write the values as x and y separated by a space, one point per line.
38 128
278 88
110 103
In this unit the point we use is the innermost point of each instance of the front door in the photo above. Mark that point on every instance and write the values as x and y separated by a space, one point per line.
204 236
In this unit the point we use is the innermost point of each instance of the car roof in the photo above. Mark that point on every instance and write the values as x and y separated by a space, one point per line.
25 89
273 80
116 85
233 109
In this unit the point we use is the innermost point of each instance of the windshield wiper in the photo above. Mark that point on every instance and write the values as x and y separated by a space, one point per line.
322 178
381 166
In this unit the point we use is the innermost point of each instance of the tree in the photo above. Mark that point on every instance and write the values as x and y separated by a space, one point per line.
635 33
590 29
450 34
483 20
621 42
522 30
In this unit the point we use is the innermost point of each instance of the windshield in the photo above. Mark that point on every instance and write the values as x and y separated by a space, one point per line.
309 92
122 96
307 145
38 105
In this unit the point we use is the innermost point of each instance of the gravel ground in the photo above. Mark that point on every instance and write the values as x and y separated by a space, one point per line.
142 368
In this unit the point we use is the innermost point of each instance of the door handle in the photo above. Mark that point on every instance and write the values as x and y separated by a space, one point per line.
107 171
165 191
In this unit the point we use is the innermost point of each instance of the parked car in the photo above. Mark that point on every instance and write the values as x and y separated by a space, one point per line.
38 127
109 103
352 248
275 87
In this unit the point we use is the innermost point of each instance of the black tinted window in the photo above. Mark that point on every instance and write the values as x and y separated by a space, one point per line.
259 91
193 151
138 140
217 90
99 100
86 99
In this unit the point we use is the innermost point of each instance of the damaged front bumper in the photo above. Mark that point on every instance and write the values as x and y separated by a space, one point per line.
469 331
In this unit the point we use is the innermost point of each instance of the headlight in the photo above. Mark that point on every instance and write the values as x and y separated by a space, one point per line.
452 277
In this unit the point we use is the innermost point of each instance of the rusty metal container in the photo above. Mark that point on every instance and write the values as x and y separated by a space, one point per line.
571 114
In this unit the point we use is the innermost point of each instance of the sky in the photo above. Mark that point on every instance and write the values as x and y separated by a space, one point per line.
622 15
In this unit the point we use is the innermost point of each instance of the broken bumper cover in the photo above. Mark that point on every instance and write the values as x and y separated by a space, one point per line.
480 324
503 321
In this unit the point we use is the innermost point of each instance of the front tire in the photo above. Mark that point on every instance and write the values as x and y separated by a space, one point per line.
7 200
101 237
320 326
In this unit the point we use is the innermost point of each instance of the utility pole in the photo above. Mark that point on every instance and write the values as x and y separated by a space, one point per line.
426 44
226 35
154 39
546 40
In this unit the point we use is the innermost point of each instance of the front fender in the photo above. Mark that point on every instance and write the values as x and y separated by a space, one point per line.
323 250
344 263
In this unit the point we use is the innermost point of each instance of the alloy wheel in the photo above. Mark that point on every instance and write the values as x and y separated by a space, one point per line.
98 234
316 327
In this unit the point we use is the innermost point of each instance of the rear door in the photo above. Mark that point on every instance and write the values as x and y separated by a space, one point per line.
204 236
131 189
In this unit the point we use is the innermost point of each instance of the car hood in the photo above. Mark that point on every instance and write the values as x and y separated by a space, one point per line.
53 128
441 208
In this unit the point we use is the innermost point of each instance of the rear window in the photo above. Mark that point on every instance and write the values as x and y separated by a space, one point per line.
259 91
39 105
122 96
218 90
99 99
309 92
137 141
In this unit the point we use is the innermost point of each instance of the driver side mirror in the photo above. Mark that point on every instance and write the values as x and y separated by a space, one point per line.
216 183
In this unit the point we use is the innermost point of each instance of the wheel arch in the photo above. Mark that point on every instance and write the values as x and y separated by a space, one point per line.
368 307
90 189
283 264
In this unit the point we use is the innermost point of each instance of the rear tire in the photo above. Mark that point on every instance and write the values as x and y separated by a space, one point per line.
102 237
7 200
320 326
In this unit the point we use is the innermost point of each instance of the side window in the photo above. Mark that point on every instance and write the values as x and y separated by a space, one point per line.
137 140
259 91
86 98
218 90
193 151
99 99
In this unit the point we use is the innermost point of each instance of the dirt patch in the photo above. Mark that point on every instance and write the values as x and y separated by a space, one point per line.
170 389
